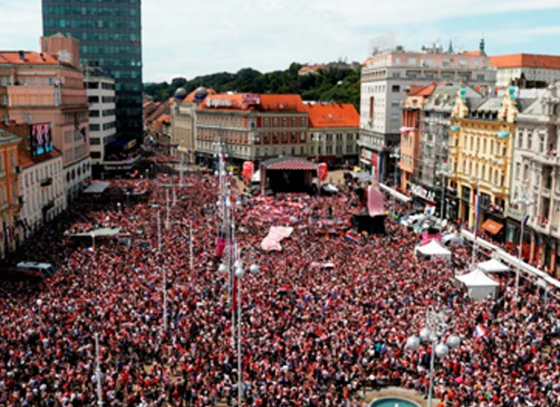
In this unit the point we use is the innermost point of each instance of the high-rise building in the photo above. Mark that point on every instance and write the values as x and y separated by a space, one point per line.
110 36
386 76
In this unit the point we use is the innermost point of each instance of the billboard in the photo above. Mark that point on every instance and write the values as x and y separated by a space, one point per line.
41 139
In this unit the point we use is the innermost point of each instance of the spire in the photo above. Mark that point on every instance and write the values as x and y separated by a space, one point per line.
482 45
450 50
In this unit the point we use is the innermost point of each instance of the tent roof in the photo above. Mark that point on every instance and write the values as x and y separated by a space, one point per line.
493 265
104 232
96 188
477 278
433 249
288 163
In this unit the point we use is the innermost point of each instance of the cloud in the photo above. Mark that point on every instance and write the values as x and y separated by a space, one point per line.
226 35
20 24
194 37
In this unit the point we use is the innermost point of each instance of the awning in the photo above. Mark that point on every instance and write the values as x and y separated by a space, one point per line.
96 188
292 165
492 227
288 163
395 193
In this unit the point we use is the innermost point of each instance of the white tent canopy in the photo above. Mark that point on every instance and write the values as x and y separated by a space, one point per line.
493 266
433 249
479 284
104 232
395 193
96 188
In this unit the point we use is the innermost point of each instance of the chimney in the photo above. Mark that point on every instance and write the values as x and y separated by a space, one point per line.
21 55
42 56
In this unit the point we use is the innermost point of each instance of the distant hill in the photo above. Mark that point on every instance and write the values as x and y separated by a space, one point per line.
326 85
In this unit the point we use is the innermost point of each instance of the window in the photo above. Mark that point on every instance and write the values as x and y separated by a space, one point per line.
529 141
94 127
94 141
412 61
94 113
395 88
93 99
95 154
541 143
371 107
517 170
396 74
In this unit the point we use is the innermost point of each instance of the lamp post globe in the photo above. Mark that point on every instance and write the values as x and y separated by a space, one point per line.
238 264
453 342
39 302
239 272
425 334
254 269
222 269
413 342
442 350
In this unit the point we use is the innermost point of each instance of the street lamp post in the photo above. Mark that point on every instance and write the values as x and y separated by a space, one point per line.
525 199
98 371
444 172
436 327
475 181
395 155
164 293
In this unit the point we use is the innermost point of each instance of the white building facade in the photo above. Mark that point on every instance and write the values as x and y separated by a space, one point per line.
386 77
42 186
102 119
536 168
526 70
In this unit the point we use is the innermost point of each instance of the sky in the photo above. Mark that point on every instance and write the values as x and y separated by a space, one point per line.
195 37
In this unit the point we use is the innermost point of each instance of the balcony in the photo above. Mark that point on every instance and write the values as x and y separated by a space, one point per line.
48 206
547 158
540 225
45 182
499 190
45 96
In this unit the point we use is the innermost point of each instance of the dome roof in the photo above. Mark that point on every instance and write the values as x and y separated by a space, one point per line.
200 93
180 93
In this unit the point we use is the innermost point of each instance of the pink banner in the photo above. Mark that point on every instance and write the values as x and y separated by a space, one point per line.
426 238
375 202
221 245
275 236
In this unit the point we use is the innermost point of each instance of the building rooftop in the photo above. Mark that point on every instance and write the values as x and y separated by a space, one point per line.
27 58
6 136
526 61
332 115
253 102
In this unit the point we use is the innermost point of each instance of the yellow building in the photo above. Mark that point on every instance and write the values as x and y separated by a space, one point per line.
480 155
10 199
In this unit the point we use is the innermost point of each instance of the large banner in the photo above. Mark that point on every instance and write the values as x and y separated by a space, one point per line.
375 201
275 236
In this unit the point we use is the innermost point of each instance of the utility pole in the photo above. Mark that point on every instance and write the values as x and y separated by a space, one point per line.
159 231
98 371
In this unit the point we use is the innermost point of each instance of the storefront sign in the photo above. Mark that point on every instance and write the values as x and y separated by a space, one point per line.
422 192
514 213
218 102
251 99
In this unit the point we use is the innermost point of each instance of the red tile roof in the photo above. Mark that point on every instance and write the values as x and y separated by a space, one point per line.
164 118
332 115
422 90
472 53
266 102
30 58
526 60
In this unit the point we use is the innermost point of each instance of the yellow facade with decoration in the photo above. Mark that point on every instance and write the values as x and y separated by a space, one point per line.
480 156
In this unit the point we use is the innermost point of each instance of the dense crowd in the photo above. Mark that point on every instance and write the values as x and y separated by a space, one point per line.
324 320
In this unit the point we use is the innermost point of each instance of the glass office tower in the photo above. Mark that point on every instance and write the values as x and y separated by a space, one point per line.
110 34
